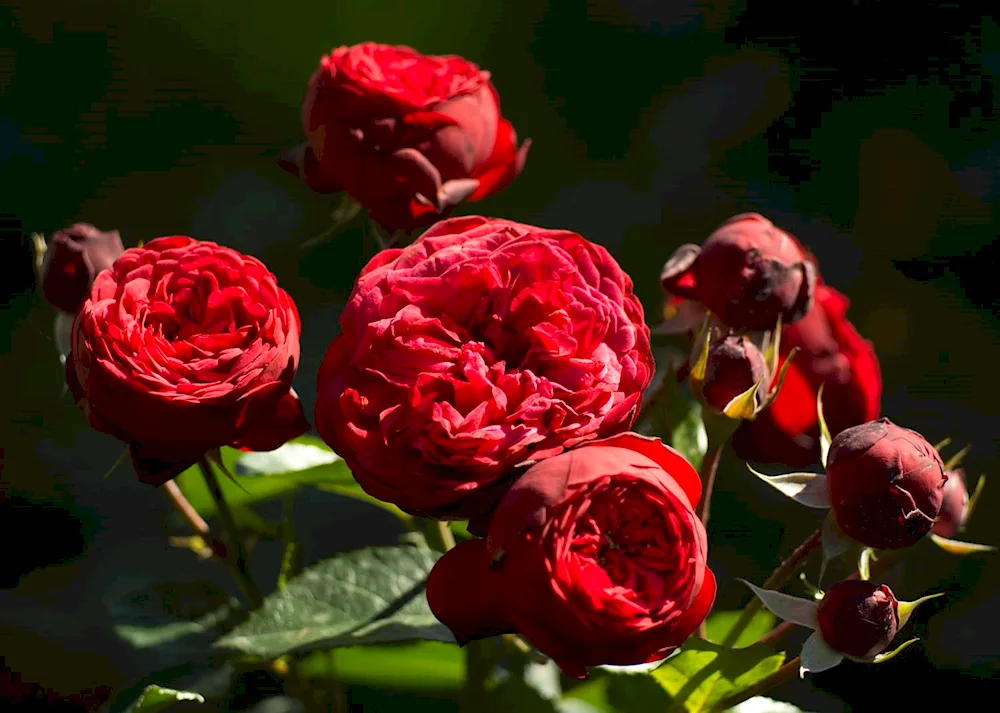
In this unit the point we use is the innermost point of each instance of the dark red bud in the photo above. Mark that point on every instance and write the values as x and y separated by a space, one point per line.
748 273
886 484
75 256
734 365
858 618
954 506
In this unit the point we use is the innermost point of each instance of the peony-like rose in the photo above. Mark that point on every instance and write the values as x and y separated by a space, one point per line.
595 555
830 352
857 618
748 273
185 346
409 136
483 345
886 484
74 257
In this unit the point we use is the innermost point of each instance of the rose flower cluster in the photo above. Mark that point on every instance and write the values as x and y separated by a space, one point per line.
488 372
491 371
886 486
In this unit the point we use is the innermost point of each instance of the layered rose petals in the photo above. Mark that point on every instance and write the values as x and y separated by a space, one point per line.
595 555
409 136
484 345
185 346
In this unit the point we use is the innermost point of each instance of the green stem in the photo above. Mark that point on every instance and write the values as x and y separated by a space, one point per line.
479 659
238 558
439 535
709 467
653 401
781 575
338 691
782 675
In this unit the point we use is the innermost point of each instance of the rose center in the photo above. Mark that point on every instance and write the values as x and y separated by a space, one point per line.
191 305
632 540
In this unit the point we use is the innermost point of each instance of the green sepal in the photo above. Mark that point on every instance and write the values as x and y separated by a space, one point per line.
905 609
773 394
700 366
824 431
864 563
956 459
880 658
974 499
771 347
957 547
744 407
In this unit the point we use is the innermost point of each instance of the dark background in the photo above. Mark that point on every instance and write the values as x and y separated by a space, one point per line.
868 129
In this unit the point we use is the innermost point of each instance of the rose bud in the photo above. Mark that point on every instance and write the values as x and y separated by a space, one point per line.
748 273
734 366
595 555
830 353
183 347
886 484
858 618
74 257
483 345
409 136
954 506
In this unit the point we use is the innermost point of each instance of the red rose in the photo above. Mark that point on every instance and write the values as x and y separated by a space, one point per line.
857 618
832 352
185 346
73 259
954 506
733 366
595 555
408 136
748 273
886 484
484 344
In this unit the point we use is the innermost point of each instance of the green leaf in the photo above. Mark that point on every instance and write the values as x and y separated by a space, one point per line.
675 417
366 596
593 693
687 433
253 486
300 454
762 704
423 666
514 694
703 674
155 699
719 624
305 460
179 620
636 693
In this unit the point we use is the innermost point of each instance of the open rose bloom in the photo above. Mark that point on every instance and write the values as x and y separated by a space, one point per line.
483 345
185 346
409 136
595 555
